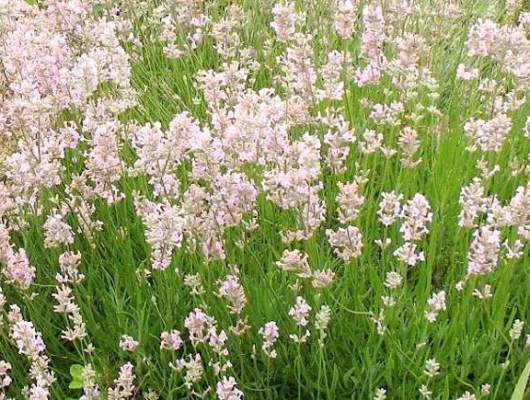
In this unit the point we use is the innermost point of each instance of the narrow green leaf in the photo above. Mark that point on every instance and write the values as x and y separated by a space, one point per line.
518 393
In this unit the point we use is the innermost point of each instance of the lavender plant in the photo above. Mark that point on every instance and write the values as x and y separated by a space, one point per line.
321 199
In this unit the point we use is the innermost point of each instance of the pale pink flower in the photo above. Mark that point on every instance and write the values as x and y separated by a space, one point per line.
435 304
57 232
416 216
128 343
5 379
345 18
346 242
171 340
124 385
69 267
483 256
322 278
194 369
227 390
350 202
284 21
198 324
432 368
517 329
270 334
232 289
393 280
300 311
295 261
488 135
466 74
409 254
90 387
389 207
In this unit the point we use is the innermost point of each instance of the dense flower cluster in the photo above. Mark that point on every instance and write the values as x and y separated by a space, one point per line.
181 181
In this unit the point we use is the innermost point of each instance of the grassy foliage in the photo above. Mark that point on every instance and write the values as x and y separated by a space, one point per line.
122 295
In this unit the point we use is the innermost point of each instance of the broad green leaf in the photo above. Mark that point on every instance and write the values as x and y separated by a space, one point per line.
76 371
76 384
